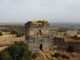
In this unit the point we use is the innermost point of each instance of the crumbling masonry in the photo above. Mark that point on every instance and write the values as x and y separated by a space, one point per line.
37 35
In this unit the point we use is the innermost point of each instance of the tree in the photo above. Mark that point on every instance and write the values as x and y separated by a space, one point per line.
1 34
18 51
17 32
5 55
71 48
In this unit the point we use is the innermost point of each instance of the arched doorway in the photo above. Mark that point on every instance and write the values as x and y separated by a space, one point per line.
40 32
41 47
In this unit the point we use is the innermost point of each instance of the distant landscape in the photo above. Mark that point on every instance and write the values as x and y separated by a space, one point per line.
11 33
39 30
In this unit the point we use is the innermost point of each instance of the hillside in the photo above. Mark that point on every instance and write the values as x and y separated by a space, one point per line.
6 40
56 55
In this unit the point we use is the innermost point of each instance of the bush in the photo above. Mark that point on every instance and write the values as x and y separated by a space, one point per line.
17 33
1 34
56 55
34 55
5 56
71 48
17 51
13 32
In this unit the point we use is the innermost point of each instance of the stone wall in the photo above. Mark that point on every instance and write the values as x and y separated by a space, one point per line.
37 35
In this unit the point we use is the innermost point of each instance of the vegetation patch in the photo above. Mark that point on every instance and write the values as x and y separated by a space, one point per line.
17 51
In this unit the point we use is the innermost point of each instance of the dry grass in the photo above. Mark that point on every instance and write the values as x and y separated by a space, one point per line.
6 40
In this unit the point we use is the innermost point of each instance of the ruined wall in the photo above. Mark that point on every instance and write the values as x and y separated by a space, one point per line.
37 35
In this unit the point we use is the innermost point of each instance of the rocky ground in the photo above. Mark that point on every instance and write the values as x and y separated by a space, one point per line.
51 55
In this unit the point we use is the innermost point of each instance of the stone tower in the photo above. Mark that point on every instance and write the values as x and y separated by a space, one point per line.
37 35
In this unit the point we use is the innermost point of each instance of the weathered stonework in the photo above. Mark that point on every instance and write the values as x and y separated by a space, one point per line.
37 35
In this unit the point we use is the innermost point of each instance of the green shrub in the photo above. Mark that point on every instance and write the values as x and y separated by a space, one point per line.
1 34
71 48
17 33
17 51
5 55
13 32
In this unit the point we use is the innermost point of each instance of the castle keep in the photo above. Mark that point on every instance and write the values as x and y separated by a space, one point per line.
37 35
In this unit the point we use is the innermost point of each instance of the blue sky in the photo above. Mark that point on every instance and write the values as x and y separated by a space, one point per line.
51 10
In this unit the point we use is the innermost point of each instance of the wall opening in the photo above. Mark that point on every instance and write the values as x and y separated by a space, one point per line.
40 32
41 47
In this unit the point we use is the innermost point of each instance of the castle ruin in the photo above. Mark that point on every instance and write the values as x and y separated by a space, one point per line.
37 35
